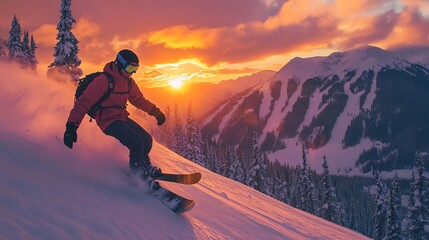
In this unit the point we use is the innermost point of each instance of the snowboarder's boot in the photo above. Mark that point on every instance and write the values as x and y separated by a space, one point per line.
153 185
154 172
149 174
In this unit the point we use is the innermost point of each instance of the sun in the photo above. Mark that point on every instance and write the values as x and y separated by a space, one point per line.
176 83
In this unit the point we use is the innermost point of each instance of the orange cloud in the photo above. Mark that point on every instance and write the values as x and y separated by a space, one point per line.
184 37
411 29
295 12
244 70
369 30
46 35
85 28
131 43
152 74
254 34
87 32
298 26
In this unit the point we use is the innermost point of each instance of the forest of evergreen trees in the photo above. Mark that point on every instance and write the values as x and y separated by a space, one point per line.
360 203
19 48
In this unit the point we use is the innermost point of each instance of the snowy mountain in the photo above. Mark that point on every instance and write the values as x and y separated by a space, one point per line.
50 192
361 108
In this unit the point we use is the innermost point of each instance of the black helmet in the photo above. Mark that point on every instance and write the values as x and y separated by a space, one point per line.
126 58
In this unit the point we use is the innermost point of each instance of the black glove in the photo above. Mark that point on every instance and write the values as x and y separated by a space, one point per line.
70 136
160 117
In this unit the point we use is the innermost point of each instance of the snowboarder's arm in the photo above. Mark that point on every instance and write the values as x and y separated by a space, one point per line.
137 99
89 97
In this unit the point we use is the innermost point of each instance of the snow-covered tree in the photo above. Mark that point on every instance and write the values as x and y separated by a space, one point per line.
283 190
163 133
329 209
267 177
411 202
227 161
256 176
380 211
418 217
223 161
3 55
236 170
394 231
194 139
14 42
26 49
66 61
178 144
33 59
306 189
208 155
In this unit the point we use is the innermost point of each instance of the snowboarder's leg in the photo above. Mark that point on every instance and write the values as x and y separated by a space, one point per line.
145 136
132 139
139 142
150 170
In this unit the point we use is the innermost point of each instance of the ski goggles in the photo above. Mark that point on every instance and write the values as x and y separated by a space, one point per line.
128 67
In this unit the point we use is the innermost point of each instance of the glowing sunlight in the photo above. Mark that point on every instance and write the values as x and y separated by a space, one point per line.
176 83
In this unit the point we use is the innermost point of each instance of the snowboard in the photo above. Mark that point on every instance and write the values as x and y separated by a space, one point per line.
190 178
173 201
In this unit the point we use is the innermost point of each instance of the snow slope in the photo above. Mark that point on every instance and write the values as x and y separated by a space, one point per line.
50 192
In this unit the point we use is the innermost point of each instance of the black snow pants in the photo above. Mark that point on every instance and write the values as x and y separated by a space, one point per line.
135 138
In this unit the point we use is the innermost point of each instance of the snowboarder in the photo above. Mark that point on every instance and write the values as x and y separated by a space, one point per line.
112 116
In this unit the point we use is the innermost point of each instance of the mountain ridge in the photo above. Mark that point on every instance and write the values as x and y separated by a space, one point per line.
317 101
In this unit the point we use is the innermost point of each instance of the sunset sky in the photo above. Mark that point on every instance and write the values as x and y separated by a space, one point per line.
213 40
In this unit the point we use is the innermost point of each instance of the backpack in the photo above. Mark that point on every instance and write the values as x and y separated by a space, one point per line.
84 83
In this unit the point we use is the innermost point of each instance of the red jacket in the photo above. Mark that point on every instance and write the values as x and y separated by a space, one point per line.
98 87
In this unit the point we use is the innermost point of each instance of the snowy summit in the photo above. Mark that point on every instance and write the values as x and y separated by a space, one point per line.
352 106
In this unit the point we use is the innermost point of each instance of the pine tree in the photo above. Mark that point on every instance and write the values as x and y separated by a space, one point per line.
26 49
419 204
33 59
229 159
298 189
3 55
14 43
207 155
256 177
66 61
394 231
178 143
275 180
283 191
268 178
194 139
222 162
422 184
211 157
164 134
306 189
342 216
380 213
411 202
236 170
329 209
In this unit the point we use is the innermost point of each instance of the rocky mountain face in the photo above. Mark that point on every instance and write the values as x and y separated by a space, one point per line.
361 108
